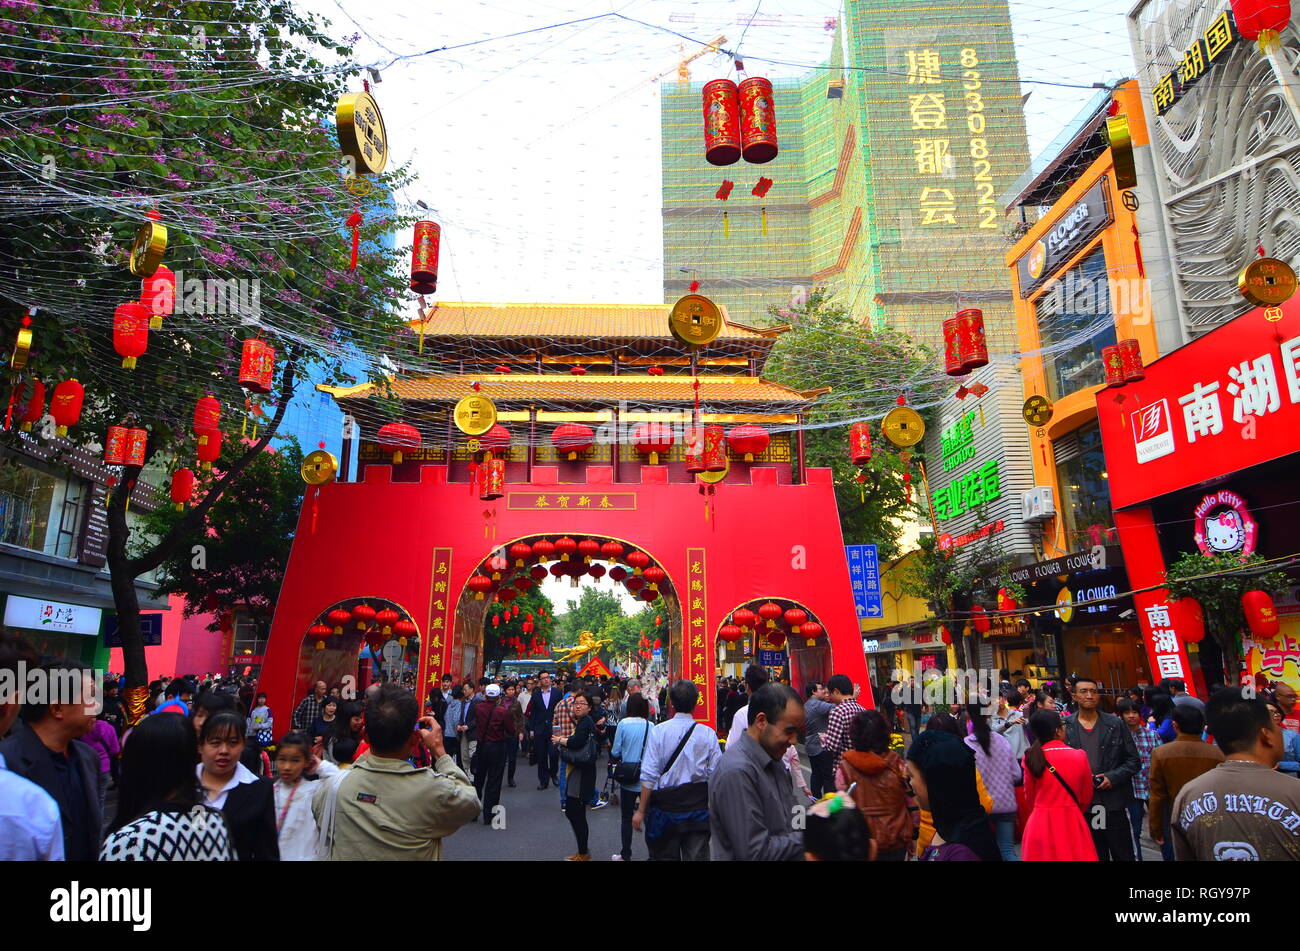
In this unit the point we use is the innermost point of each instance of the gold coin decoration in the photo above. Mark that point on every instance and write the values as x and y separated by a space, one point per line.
319 467
1037 410
362 135
358 186
147 251
713 478
695 320
1267 282
475 415
903 426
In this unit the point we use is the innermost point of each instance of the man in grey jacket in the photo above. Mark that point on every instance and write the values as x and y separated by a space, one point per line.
1113 758
817 710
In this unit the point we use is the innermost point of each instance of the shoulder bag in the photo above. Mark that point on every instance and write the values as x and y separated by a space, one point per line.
1061 779
583 756
629 774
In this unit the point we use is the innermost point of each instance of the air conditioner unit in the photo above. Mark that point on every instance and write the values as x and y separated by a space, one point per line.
1037 504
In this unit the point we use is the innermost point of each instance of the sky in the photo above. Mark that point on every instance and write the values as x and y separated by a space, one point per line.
540 156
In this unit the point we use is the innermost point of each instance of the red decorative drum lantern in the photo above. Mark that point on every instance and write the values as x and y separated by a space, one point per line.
730 633
721 122
521 552
1130 355
748 440
744 617
33 409
811 630
596 571
537 573
209 446
1261 615
130 332
651 439
795 617
634 584
424 257
769 612
649 595
952 364
693 449
494 480
136 441
257 366
497 565
395 437
480 585
971 345
1113 360
1256 17
715 449
319 632
757 121
182 487
158 295
523 584
543 548
617 573
860 443
404 630
1189 619
386 619
115 446
572 438
65 404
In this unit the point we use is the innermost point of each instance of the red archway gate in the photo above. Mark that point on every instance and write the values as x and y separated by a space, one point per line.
418 543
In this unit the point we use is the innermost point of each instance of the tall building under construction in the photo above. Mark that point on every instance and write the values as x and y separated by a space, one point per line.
893 157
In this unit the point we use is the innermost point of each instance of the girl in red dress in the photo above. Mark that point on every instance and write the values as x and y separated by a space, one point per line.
1058 785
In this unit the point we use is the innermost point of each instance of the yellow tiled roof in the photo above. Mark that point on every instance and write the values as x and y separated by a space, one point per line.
543 321
558 387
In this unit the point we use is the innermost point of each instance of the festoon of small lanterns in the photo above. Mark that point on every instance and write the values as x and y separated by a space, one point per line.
1123 363
965 347
572 439
397 437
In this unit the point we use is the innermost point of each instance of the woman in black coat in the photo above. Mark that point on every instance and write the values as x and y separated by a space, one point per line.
580 778
247 802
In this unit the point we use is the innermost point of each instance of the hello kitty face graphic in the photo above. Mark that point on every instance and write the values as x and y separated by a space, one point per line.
1224 531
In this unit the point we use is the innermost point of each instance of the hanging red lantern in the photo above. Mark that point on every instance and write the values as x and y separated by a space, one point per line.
596 571
952 362
638 560
1189 619
748 440
543 548
658 644
715 450
1256 18
860 444
523 584
496 620
769 612
634 584
557 569
980 619
617 573
721 122
496 564
972 346
65 404
654 576
730 633
208 446
521 552
158 295
318 633
757 121
424 257
811 630
115 446
480 585
795 617
1130 355
744 617
1005 601
651 439
777 637
693 449
136 441
572 438
496 439
182 488
565 546
33 407
404 630
611 551
494 480
374 640
649 595
588 549
944 634
339 618
397 437
257 366
1261 615
659 620
207 414
130 332
1113 360
386 618
364 615
537 573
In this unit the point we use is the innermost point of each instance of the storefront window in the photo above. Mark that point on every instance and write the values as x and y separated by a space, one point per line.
1085 494
26 498
1074 323
247 640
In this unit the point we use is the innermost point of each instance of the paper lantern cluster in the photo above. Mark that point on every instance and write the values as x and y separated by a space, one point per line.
739 121
375 625
964 345
1123 363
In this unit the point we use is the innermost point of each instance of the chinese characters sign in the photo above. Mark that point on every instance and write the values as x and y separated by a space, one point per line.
1163 637
967 492
573 499
864 576
697 651
1200 56
37 614
442 615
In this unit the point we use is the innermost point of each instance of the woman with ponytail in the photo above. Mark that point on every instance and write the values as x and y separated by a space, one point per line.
1058 785
997 765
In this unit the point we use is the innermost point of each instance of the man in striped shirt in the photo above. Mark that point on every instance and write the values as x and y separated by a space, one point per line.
836 738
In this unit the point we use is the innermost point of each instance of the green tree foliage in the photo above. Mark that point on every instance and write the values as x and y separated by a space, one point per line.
626 631
497 646
867 369
237 557
1217 582
595 608
218 115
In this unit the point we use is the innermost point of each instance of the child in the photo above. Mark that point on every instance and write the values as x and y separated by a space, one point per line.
835 831
345 751
295 826
260 722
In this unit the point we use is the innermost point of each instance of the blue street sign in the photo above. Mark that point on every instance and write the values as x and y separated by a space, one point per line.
864 577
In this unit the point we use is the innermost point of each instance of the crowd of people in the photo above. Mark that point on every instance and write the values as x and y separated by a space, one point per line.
212 773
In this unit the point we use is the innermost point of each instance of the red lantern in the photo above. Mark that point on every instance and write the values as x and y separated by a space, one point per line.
1113 360
523 584
1261 615
730 633
658 621
1255 17
386 619
404 629
395 437
1130 355
130 332
158 295
715 450
596 571
207 414
649 595
658 644
655 576
374 640
757 121
651 439
1189 619
209 446
617 573
1005 601
721 122
115 446
971 345
566 546
572 438
480 585
638 560
543 548
744 617
257 366
795 617
557 569
769 612
777 637
33 409
860 444
537 573
944 634
319 632
182 487
952 363
634 584
494 480
496 439
496 620
364 615
811 630
521 552
980 619
588 549
65 404
748 440
693 449
496 564
339 617
136 441
424 257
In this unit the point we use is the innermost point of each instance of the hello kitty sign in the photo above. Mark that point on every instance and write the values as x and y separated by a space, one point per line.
1224 525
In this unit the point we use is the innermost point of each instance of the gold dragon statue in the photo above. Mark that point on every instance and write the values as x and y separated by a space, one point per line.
588 643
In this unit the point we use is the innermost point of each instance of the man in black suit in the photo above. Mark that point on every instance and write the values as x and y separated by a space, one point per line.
538 716
42 750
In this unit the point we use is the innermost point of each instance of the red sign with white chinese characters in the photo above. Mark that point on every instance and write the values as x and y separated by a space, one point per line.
1226 401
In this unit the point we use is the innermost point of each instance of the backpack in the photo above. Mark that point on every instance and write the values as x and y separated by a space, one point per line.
884 799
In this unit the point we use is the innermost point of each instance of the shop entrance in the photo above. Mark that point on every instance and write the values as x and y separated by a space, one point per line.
1112 655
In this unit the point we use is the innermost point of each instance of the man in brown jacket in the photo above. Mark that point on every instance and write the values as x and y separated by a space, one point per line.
517 737
1173 766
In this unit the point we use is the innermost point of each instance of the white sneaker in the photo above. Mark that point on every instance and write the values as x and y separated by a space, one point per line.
616 857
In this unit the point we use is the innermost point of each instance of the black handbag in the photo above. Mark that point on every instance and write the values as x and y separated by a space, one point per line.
580 757
629 774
